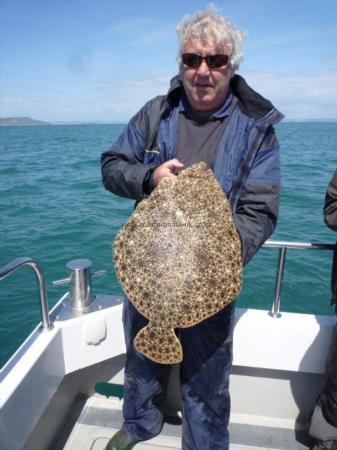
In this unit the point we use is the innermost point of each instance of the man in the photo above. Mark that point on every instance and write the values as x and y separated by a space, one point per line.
324 420
209 114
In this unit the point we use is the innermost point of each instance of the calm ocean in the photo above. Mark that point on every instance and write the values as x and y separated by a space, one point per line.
53 208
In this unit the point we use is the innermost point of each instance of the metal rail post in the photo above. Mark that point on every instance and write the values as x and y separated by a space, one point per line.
275 311
11 267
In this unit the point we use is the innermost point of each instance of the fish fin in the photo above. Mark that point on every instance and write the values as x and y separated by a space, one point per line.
159 344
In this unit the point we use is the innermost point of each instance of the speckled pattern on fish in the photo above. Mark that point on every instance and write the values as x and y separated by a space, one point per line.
178 258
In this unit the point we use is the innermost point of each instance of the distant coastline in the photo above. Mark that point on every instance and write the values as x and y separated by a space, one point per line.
21 121
24 121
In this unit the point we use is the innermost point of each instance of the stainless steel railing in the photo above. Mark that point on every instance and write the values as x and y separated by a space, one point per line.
283 246
275 310
24 261
80 284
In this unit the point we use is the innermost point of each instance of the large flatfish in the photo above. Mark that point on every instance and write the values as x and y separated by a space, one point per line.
178 259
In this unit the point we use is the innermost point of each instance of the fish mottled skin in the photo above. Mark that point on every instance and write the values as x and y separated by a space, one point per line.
178 259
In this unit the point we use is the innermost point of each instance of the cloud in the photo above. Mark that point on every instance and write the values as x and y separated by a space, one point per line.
141 30
130 24
332 60
155 35
302 18
298 96
120 101
115 100
290 37
80 62
42 107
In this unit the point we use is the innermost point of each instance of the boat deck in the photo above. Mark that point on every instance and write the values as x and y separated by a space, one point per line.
94 421
277 374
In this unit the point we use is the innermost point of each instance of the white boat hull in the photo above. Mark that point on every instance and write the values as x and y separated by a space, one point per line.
277 373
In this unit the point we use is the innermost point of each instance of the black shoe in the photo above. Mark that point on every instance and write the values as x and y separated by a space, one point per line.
120 441
325 445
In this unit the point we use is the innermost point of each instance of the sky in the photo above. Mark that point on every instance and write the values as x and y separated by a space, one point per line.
101 60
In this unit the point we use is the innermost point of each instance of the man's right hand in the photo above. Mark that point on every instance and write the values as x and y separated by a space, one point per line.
166 170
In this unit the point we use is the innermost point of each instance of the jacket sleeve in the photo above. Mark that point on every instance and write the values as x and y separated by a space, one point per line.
330 204
256 211
123 169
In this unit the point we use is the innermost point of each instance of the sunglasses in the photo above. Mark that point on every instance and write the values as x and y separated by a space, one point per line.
194 60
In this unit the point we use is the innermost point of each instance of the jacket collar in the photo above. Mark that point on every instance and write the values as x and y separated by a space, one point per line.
250 102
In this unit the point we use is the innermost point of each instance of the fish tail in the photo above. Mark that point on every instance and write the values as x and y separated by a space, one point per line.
159 344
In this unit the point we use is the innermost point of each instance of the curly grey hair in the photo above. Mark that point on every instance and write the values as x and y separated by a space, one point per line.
209 27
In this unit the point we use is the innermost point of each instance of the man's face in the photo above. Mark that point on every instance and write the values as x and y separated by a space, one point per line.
206 88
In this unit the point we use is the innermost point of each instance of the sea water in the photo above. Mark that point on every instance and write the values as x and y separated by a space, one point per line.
54 208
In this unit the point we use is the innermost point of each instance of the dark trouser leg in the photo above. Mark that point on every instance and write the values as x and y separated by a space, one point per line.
328 398
145 383
323 424
205 382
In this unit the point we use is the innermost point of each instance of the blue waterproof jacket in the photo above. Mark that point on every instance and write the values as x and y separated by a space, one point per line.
246 161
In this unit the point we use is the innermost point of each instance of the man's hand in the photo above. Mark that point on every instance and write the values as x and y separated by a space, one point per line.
166 170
